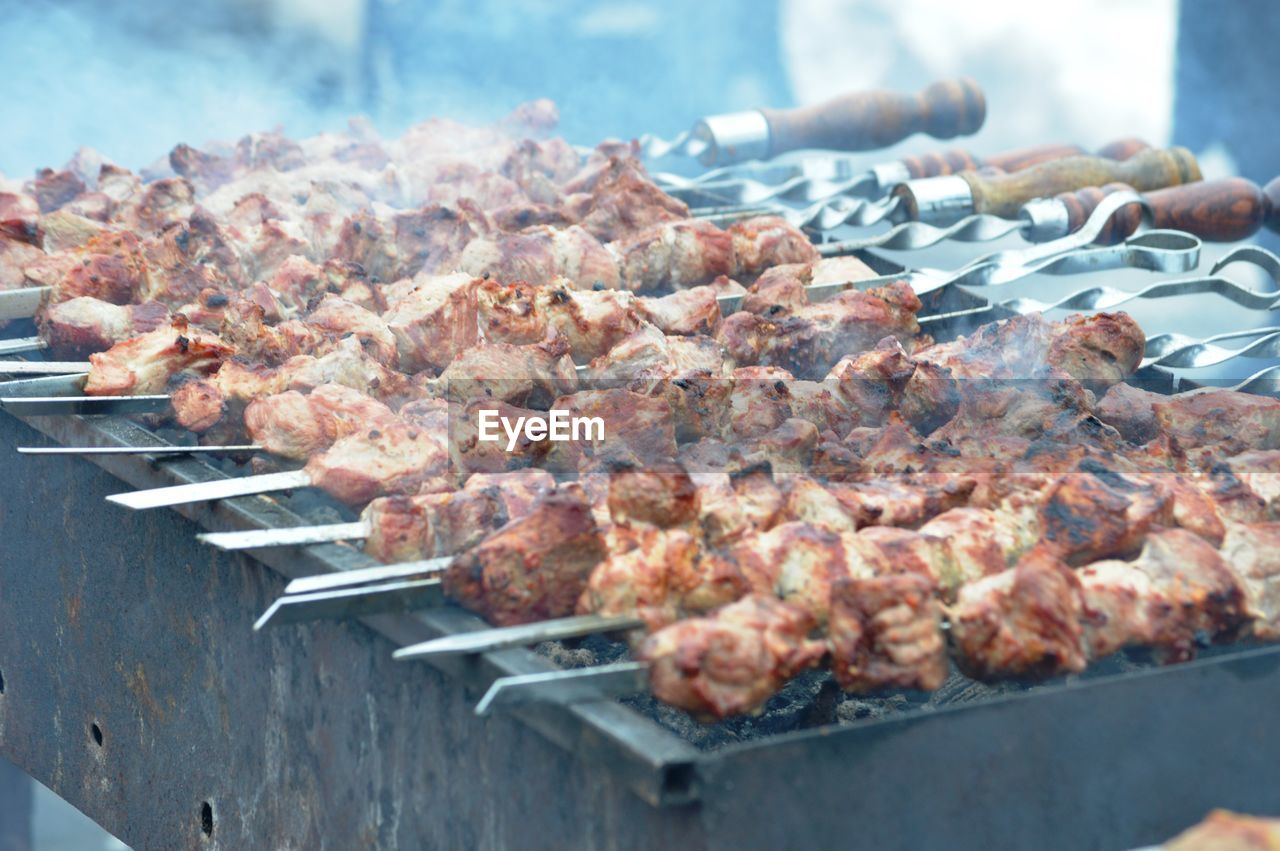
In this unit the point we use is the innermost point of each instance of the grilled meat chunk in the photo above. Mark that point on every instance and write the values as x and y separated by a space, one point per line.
684 312
1131 411
623 200
664 576
638 430
381 460
730 662
1022 622
1227 421
661 495
541 254
886 632
81 326
1177 593
810 340
145 364
292 425
796 562
1098 350
533 568
434 321
1096 513
406 528
530 376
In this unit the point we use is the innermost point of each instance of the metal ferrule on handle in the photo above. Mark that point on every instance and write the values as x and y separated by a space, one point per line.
733 137
936 200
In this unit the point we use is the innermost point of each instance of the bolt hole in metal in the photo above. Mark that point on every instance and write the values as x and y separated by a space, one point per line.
206 818
96 732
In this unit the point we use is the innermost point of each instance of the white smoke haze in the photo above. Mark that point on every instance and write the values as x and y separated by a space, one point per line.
132 85
133 79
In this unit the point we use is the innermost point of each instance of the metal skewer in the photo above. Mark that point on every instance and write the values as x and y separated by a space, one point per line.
285 536
19 345
21 303
396 596
602 682
366 575
486 640
162 449
43 367
204 491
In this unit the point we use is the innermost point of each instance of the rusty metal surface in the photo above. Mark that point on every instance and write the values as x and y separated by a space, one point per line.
1116 762
136 689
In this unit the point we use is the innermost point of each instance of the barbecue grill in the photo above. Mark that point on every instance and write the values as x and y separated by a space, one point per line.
128 650
357 749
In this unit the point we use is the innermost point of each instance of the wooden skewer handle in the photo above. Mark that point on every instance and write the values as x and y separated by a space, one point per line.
1216 210
864 121
1003 194
956 160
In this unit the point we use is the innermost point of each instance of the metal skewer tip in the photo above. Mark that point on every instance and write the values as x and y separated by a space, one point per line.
133 450
203 491
366 575
284 537
35 406
22 344
486 640
603 682
43 367
342 603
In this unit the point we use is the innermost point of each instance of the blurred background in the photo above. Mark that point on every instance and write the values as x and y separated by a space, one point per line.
133 79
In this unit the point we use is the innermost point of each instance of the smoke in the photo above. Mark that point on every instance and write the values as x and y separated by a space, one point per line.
132 80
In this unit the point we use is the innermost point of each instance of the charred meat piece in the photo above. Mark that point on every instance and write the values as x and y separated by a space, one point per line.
730 662
533 568
663 577
528 376
244 326
794 561
592 321
1096 513
637 429
1228 421
110 267
1098 350
293 425
809 341
1131 412
674 255
339 317
661 495
886 632
145 364
486 446
623 201
434 321
732 505
381 460
1024 622
518 490
1176 594
406 528
766 241
647 353
684 312
539 255
81 326
887 378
